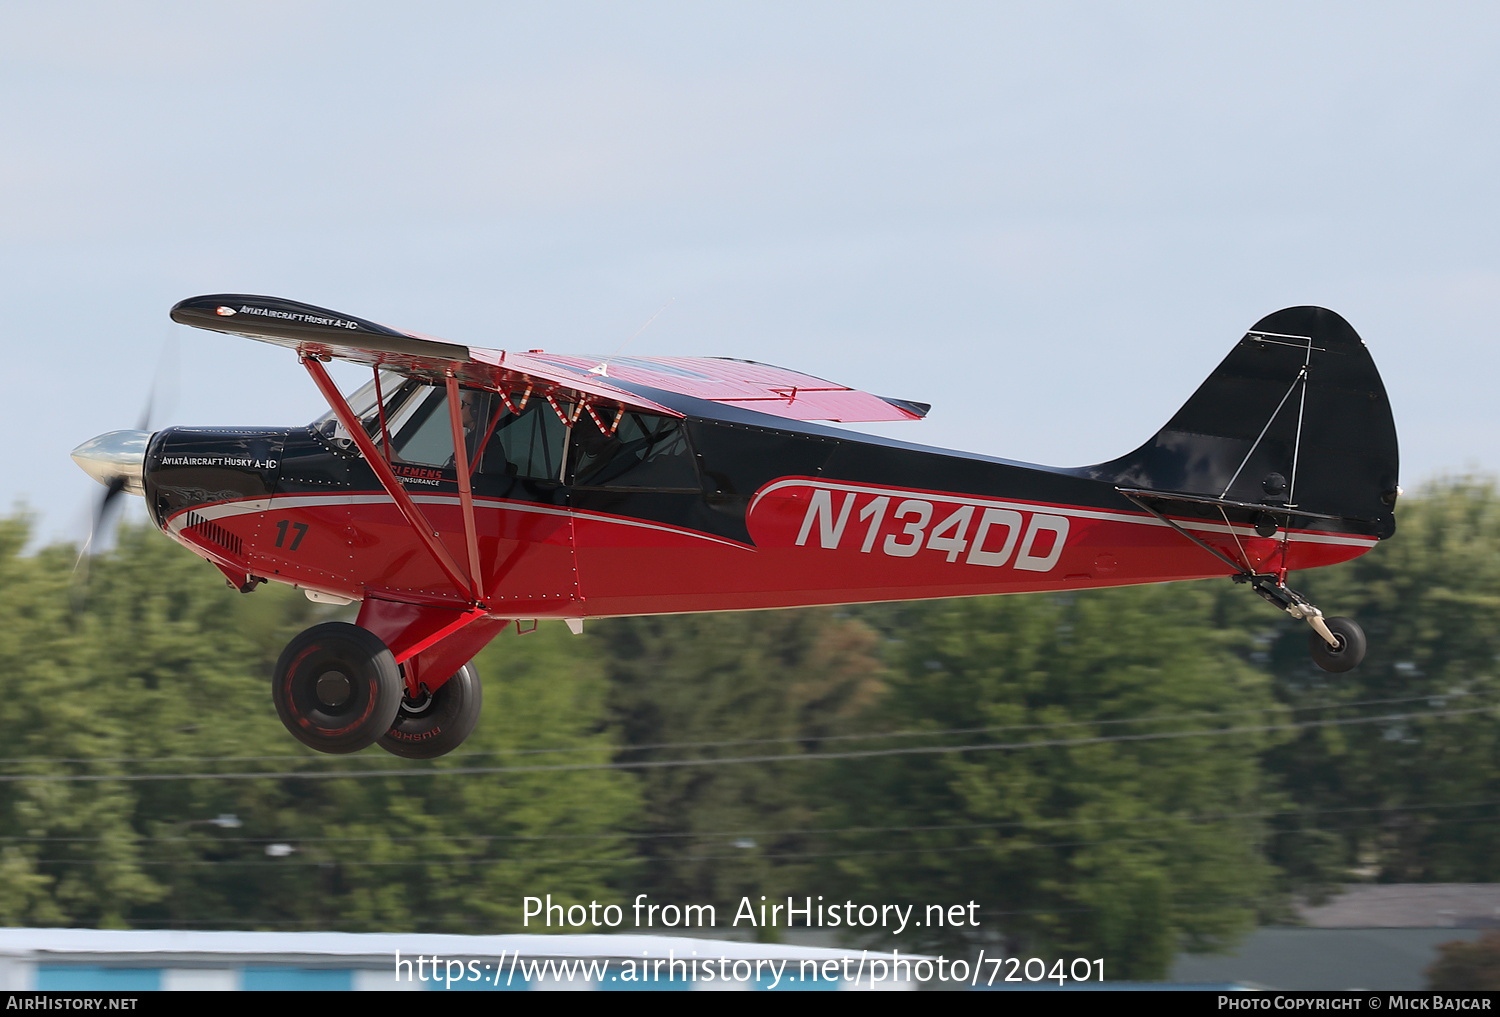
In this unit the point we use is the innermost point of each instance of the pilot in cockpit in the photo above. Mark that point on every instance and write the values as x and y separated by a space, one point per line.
474 408
468 415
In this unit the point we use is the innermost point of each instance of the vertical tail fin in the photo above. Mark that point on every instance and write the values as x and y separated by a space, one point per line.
1296 417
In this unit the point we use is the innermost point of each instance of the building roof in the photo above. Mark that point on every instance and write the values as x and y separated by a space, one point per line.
386 944
1409 906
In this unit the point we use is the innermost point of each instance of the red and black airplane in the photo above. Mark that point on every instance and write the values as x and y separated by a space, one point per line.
464 489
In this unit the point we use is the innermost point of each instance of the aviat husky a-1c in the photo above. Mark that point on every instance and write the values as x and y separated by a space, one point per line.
463 489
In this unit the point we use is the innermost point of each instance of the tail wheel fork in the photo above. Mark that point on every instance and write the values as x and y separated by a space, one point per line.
1336 644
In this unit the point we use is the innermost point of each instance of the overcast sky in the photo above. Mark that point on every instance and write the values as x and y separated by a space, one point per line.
1049 220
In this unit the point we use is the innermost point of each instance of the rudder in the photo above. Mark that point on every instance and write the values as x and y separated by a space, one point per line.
1295 418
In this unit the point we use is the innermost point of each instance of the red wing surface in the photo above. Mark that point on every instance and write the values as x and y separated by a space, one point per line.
754 386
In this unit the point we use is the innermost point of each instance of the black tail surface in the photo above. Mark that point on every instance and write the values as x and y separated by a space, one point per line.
1295 418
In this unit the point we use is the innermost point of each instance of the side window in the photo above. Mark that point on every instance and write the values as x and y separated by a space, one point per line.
420 430
526 444
645 452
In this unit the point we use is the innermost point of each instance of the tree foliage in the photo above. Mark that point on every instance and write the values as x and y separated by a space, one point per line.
155 672
715 687
1413 799
1098 807
1464 966
1117 774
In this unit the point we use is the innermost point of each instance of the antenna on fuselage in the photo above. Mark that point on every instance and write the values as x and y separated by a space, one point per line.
602 369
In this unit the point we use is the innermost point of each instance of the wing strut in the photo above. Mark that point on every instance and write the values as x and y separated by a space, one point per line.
465 493
414 517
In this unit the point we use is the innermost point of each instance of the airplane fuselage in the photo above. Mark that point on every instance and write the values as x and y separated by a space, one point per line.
465 488
772 513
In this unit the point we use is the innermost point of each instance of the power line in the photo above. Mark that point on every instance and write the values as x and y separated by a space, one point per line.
1197 820
740 856
1437 697
658 764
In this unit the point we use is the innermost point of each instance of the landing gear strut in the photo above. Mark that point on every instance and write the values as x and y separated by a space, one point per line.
1337 644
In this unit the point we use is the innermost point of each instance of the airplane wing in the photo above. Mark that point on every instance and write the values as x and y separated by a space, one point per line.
745 383
319 332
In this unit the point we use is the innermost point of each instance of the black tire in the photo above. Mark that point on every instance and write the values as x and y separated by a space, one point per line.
1351 649
336 687
438 722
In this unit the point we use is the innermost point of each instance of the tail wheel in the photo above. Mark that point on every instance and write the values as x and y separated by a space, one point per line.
336 687
435 723
1349 652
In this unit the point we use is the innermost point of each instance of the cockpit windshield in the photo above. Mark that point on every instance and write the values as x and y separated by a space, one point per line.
363 405
418 429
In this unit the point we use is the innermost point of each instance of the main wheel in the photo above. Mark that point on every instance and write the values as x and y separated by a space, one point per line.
436 723
1350 651
336 687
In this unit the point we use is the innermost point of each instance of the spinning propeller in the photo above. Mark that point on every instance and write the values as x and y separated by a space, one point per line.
117 460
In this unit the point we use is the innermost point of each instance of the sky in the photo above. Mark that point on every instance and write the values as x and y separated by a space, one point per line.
1051 221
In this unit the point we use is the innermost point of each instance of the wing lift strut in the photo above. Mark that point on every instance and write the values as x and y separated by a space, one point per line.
1271 586
470 586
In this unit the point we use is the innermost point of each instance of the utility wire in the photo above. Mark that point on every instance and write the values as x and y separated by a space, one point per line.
1199 820
660 764
653 746
739 856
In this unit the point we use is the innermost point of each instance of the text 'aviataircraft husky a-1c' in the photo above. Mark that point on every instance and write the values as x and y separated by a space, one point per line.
463 489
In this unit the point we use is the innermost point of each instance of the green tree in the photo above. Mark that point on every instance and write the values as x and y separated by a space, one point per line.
70 850
1415 798
1463 966
1088 797
718 686
155 679
1079 824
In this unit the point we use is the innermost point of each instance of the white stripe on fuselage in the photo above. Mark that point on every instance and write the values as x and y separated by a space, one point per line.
251 506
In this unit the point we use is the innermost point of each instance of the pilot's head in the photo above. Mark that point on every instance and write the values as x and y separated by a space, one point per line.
468 408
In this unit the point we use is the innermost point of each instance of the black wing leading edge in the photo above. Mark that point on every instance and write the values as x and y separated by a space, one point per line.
297 325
